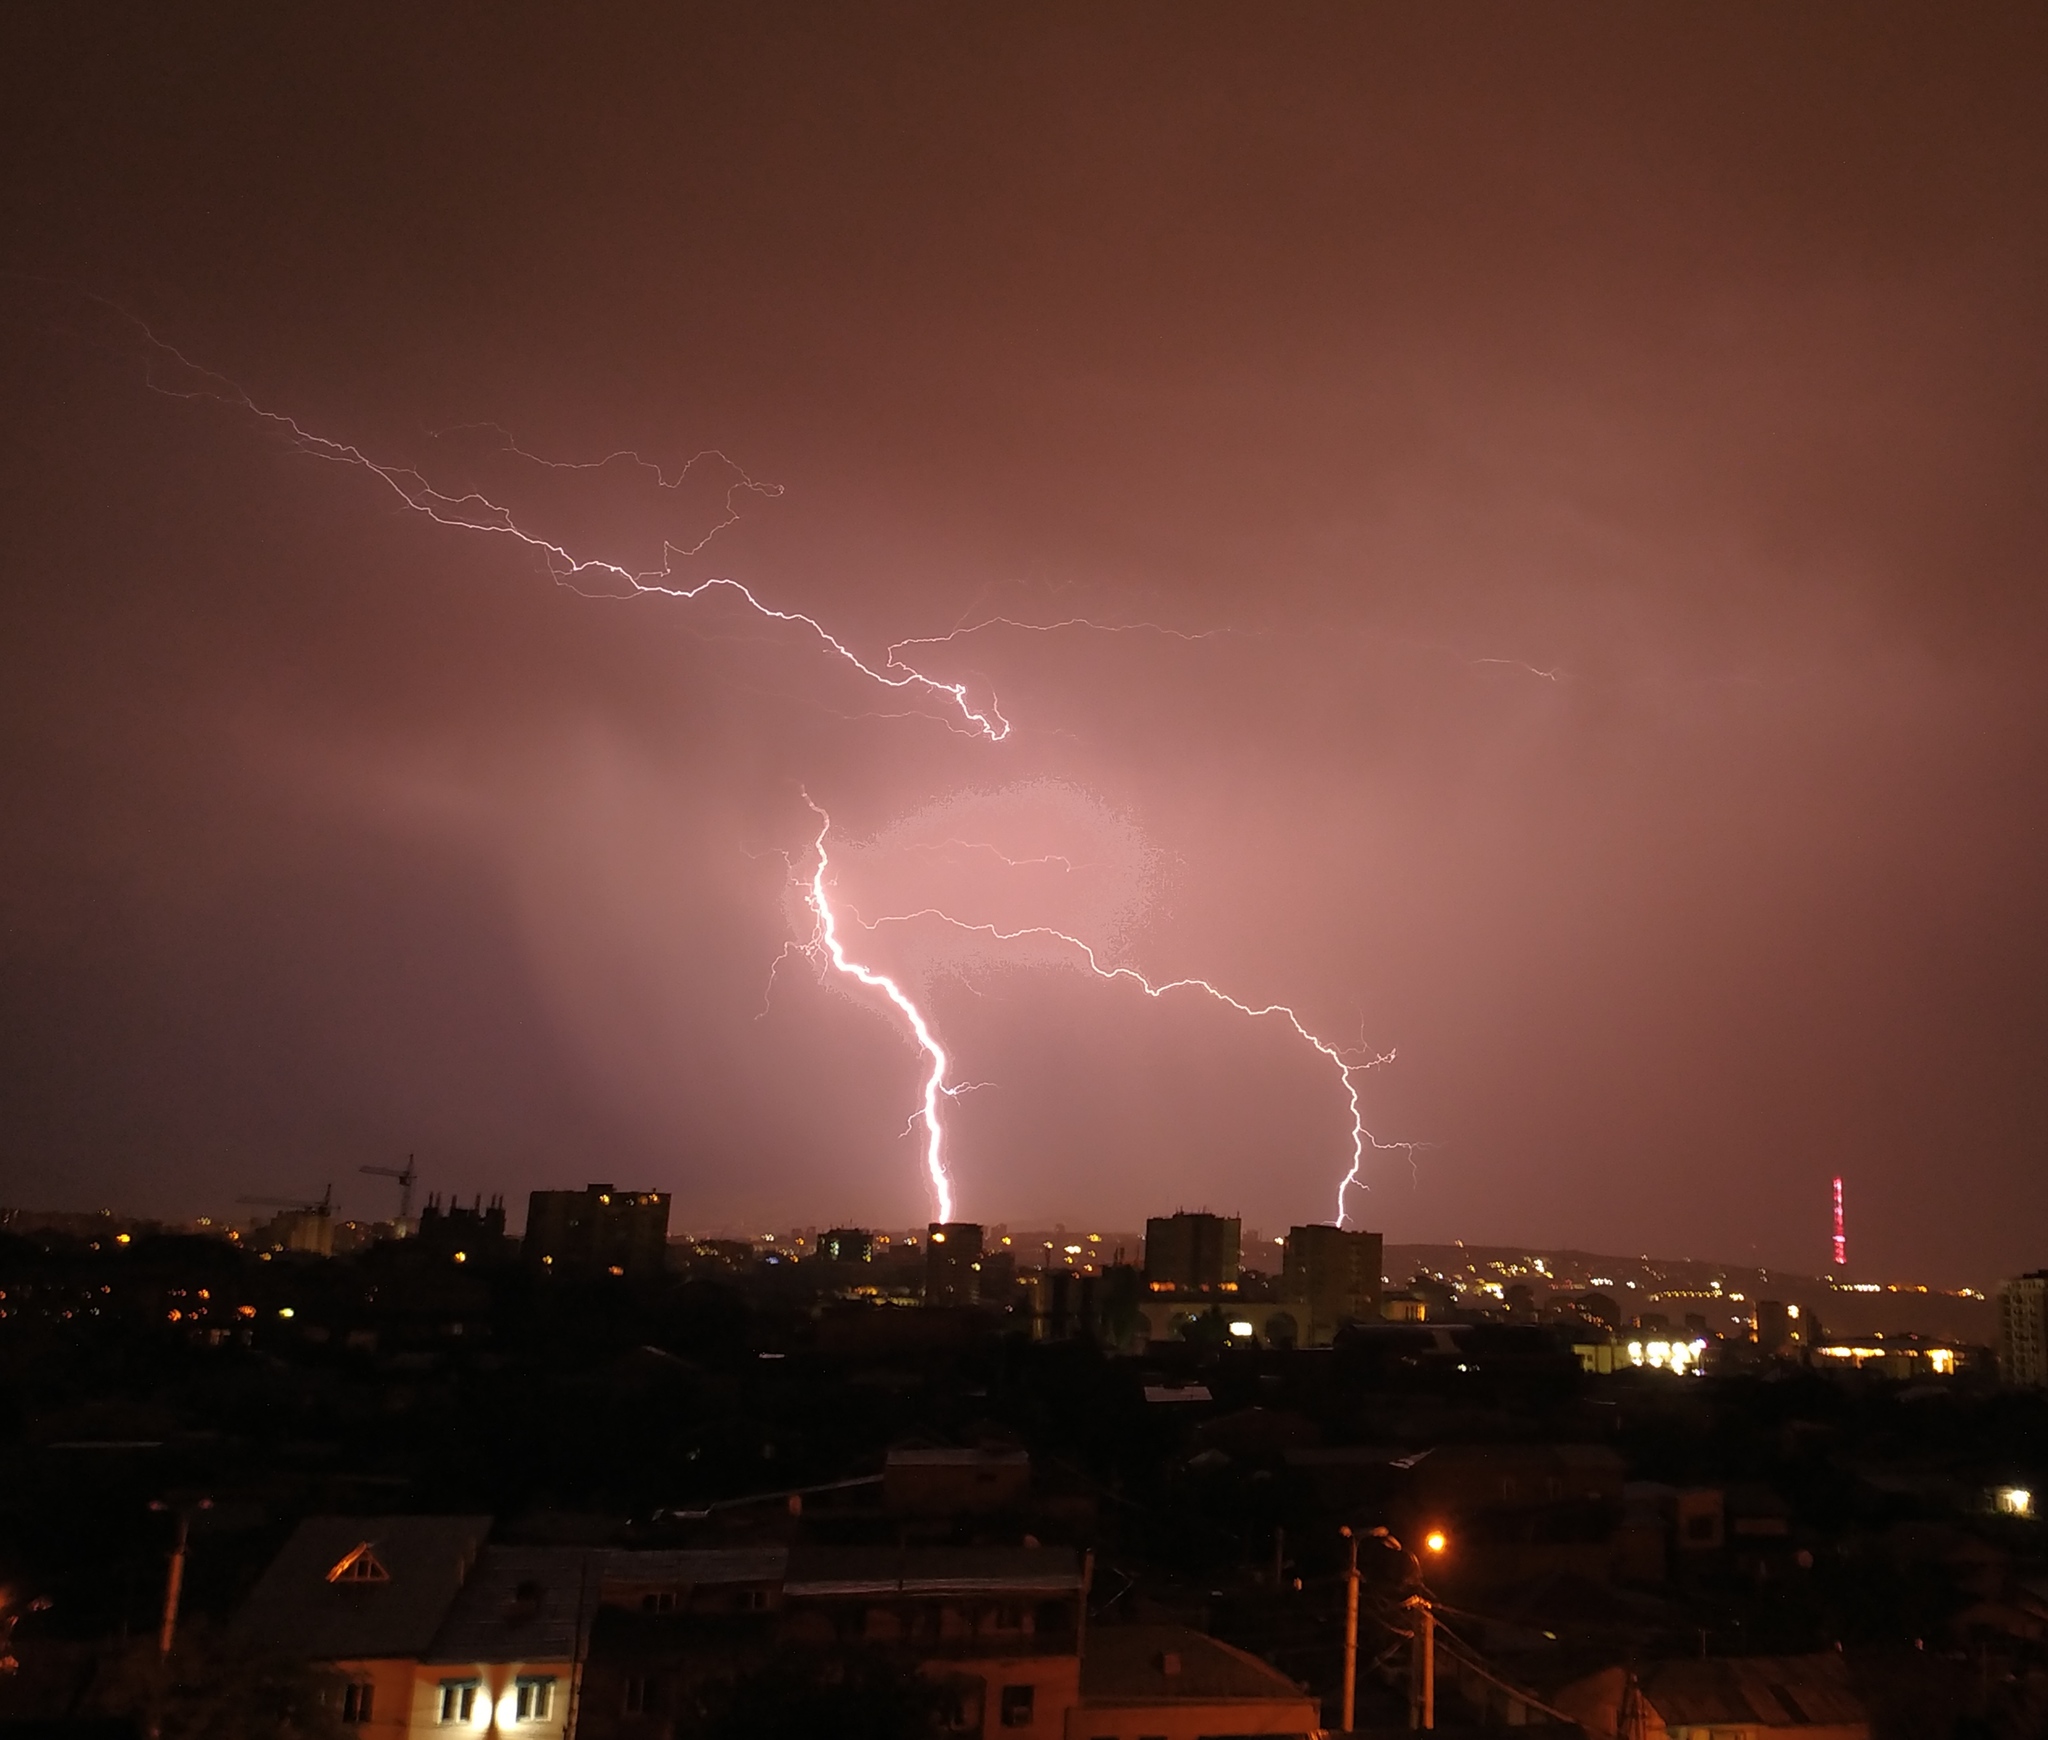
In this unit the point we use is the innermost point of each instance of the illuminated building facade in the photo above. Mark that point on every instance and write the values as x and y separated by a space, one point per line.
1334 1276
1776 1326
1192 1253
952 1263
847 1244
2023 1329
597 1230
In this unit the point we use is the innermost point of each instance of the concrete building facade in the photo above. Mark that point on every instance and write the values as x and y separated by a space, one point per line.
952 1263
597 1230
1192 1253
1333 1276
2023 1329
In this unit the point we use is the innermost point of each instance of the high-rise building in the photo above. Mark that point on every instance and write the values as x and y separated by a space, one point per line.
952 1263
1335 1274
475 1234
2023 1329
1191 1253
309 1230
1776 1325
597 1230
847 1244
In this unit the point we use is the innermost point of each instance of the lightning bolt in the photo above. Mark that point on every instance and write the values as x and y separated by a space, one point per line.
473 511
996 852
825 939
1349 1065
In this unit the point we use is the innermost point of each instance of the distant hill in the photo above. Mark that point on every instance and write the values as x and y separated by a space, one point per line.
1722 1293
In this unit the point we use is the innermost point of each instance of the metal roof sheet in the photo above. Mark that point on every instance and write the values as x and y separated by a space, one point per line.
1800 1691
1128 1664
297 1610
521 1604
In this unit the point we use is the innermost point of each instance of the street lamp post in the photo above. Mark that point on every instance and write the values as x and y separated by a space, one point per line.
174 1581
1422 1649
1351 1633
1422 1669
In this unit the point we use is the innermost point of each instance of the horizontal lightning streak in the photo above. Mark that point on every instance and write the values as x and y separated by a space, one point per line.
475 512
997 852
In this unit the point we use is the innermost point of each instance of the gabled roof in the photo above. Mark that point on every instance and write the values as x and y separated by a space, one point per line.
522 1604
300 1608
1771 1691
1168 1664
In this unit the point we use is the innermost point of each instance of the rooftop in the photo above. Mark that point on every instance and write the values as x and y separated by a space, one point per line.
363 1588
1151 1664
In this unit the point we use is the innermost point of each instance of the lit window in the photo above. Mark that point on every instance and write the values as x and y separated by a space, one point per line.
535 1700
360 1566
357 1699
458 1700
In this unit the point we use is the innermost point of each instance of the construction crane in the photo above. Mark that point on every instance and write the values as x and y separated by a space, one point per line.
406 1180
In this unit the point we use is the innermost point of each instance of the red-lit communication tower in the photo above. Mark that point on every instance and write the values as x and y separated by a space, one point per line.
1841 1243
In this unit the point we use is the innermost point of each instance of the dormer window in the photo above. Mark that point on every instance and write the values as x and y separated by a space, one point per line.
359 1566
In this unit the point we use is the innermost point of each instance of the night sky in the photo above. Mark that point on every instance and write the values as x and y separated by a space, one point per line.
1591 459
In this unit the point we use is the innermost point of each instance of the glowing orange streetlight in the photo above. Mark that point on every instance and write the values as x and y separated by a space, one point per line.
1435 1541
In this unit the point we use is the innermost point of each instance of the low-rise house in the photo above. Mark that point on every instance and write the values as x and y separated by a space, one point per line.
426 1629
1804 1697
998 1628
364 1598
507 1656
1164 1682
671 1625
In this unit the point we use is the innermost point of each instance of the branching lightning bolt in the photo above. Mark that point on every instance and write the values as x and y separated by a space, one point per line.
1349 1066
825 940
474 512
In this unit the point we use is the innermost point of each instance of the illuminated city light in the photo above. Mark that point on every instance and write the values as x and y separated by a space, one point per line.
1662 1355
1435 1541
1940 1360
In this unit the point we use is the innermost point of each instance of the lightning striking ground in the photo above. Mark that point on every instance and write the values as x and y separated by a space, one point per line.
1348 1066
826 940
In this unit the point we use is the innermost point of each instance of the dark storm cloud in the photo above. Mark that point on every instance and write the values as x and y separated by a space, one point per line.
1610 438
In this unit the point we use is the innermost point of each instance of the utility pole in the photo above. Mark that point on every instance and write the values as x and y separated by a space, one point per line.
174 1582
1422 1664
1350 1633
